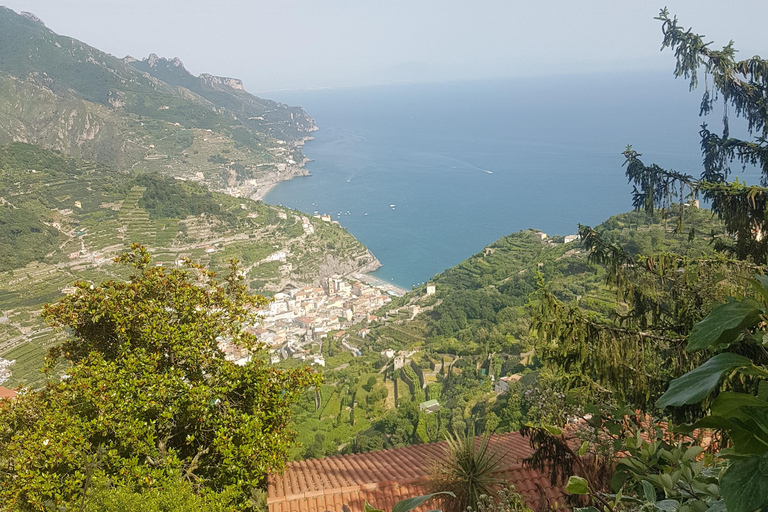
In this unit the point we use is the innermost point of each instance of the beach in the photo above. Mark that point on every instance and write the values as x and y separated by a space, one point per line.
390 288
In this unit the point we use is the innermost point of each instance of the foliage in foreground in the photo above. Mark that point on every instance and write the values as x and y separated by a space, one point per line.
713 366
657 474
468 470
409 504
150 393
506 500
738 332
627 461
175 495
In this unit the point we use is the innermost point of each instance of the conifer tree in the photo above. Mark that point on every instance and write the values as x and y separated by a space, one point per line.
692 328
634 356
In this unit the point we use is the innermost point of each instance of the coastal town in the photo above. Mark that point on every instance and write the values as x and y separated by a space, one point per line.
296 322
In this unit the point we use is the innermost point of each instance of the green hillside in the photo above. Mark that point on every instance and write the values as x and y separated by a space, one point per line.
63 220
62 94
474 327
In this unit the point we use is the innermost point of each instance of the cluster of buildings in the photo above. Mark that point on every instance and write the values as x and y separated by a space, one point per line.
399 358
297 320
567 239
5 369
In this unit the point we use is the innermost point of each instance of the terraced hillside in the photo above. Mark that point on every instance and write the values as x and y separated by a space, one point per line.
63 220
62 94
466 343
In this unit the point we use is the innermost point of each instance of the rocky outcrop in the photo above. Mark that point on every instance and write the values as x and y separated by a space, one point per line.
32 17
363 264
219 81
153 60
283 122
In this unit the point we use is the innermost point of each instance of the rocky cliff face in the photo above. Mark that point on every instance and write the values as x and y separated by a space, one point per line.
362 263
35 115
173 71
215 82
32 17
286 123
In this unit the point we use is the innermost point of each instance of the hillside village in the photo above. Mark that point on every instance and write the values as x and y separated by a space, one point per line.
297 320
76 235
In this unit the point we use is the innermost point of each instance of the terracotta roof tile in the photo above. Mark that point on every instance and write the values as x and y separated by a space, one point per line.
385 477
7 393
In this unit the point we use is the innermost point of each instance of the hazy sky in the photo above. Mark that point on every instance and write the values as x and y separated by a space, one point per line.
299 44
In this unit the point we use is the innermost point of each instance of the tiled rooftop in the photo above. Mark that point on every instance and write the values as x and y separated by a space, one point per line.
385 477
7 393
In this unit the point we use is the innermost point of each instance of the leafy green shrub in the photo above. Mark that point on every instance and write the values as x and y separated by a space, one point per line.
167 198
176 495
507 500
217 159
150 393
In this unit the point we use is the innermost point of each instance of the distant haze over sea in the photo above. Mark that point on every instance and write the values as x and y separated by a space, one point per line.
426 175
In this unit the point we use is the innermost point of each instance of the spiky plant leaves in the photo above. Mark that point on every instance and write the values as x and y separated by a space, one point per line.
470 468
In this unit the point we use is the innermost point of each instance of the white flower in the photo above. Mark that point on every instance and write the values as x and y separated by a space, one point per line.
45 443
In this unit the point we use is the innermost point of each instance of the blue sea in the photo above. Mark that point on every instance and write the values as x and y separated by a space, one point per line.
426 175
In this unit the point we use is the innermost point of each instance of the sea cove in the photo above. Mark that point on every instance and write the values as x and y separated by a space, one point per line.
426 175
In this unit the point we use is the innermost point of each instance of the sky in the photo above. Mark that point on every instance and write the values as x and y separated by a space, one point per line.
277 45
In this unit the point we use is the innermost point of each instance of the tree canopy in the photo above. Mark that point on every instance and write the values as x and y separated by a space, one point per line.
150 394
687 340
662 296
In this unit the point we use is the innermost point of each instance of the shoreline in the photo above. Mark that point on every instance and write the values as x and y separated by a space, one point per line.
261 193
267 186
300 171
380 283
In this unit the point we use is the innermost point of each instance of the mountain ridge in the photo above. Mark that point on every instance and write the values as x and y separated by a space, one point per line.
63 94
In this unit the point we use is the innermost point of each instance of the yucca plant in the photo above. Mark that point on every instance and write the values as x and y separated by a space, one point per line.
470 468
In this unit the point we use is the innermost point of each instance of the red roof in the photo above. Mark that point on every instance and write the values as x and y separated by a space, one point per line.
385 477
7 393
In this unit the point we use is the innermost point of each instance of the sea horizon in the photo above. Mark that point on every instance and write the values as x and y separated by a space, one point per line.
426 175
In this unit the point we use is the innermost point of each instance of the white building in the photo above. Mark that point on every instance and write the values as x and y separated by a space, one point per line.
570 238
277 256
